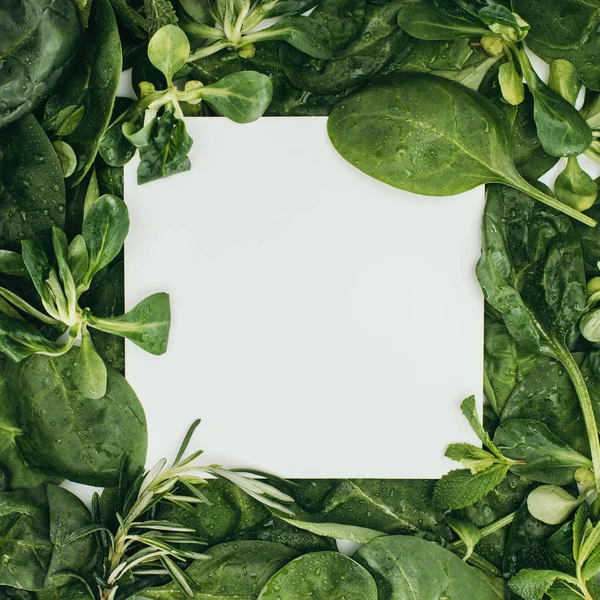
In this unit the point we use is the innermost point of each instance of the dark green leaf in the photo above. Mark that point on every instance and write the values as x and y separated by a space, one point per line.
85 441
575 187
89 371
92 87
235 571
321 576
158 14
39 40
32 187
19 340
397 564
549 459
532 584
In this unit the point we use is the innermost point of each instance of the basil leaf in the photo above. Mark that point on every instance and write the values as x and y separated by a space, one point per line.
39 40
321 576
146 325
241 97
396 563
237 570
32 192
92 87
82 440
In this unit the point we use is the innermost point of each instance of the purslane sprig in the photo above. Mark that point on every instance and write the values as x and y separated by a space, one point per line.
143 547
61 272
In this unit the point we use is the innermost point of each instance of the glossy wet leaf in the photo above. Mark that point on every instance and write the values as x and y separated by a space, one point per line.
241 97
549 459
82 440
418 132
35 522
422 20
532 584
20 474
575 187
375 46
321 576
511 84
564 79
397 563
39 40
235 571
532 275
565 29
167 152
343 18
169 50
32 187
105 228
146 325
19 339
92 87
590 243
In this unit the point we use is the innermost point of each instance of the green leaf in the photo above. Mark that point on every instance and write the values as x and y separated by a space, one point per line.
167 153
551 504
303 33
235 571
461 488
531 584
92 87
280 8
158 14
89 371
377 43
39 40
565 29
564 79
114 147
321 576
422 20
427 149
575 187
562 130
12 263
32 195
531 270
146 325
36 521
19 340
105 228
469 410
81 440
397 564
471 457
352 533
513 90
169 50
469 534
66 156
77 258
548 458
506 24
241 97
60 246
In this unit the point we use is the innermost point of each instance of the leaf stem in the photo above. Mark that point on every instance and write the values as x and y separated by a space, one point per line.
587 409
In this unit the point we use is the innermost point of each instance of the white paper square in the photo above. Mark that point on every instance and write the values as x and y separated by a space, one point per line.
324 323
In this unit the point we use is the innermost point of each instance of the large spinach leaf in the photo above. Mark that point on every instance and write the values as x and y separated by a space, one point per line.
234 571
567 29
375 46
321 576
19 473
429 135
92 87
38 42
67 434
590 243
32 188
34 524
407 568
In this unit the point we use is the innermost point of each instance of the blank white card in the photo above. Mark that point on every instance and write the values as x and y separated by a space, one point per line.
324 323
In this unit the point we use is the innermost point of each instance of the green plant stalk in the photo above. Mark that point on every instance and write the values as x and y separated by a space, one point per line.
582 585
209 50
491 528
587 409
